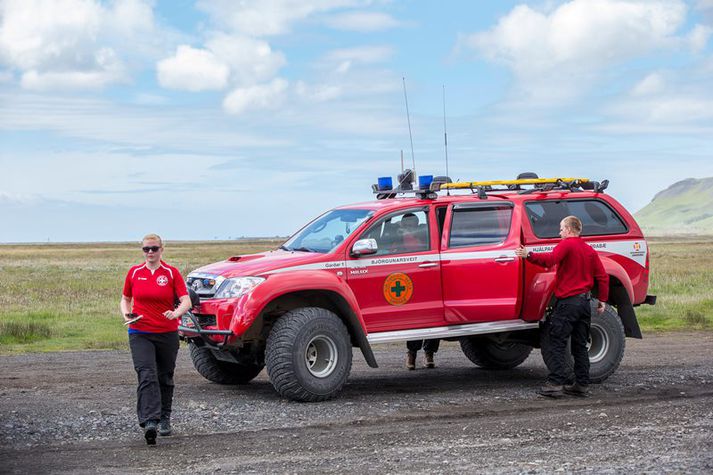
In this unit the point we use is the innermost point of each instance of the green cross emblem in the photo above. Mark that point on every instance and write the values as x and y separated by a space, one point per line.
398 288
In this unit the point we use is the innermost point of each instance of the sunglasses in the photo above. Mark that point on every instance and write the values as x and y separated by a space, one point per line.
151 248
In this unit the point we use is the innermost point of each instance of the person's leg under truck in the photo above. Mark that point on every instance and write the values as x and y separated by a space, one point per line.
166 351
148 393
580 338
414 345
561 321
431 346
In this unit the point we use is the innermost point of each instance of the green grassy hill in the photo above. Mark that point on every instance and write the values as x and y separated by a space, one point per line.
686 207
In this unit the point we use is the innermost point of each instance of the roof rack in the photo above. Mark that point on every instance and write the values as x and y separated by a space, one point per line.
539 185
482 188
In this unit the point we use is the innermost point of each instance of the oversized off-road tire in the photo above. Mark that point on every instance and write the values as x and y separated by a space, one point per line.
221 372
308 354
606 345
490 354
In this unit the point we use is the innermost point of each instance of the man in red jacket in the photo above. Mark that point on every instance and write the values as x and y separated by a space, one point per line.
578 267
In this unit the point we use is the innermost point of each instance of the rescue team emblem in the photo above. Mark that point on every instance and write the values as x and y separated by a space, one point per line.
162 280
398 289
637 246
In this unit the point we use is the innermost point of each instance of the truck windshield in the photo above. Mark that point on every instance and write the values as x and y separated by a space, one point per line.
326 232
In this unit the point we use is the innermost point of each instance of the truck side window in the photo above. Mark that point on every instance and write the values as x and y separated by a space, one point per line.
479 226
401 233
597 217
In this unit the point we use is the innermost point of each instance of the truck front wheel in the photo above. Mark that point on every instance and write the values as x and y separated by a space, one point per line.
490 354
308 354
606 345
221 372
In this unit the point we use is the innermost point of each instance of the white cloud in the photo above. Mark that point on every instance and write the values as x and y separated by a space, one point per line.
267 17
362 54
79 43
364 22
263 96
251 60
698 37
651 84
192 70
558 53
319 92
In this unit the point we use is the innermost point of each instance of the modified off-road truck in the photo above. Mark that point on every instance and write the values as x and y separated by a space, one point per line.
414 264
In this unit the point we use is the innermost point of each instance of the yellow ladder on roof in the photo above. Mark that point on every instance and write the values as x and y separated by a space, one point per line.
525 181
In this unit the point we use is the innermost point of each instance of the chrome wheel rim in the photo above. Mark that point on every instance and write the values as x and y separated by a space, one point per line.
321 356
598 345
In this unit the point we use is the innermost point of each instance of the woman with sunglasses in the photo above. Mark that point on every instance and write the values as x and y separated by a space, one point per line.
148 306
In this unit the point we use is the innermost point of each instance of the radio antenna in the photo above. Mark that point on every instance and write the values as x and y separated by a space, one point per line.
410 135
402 160
445 135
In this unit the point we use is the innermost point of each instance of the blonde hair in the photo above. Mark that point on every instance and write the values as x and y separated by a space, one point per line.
153 237
573 223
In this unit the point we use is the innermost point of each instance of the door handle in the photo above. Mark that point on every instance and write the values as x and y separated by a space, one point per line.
428 264
504 259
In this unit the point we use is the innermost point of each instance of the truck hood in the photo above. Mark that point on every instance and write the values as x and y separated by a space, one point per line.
262 263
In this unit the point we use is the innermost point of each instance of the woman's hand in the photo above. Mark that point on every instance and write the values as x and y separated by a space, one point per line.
171 314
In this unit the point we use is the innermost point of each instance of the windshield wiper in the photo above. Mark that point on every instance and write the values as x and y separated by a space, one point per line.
303 249
285 248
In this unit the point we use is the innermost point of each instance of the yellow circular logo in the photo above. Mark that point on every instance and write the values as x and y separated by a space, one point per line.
398 288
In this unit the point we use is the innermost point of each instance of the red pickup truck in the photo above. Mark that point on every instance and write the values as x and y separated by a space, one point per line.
410 268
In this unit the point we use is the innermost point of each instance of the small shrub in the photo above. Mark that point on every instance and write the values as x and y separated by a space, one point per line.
24 331
695 318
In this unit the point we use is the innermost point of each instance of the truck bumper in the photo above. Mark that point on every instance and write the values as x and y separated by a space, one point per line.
190 329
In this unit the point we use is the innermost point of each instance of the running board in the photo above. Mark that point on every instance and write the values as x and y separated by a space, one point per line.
451 332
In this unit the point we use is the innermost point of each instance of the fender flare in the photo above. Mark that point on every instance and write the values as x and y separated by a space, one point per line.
280 284
616 270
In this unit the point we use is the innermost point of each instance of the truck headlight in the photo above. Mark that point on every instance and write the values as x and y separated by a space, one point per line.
233 288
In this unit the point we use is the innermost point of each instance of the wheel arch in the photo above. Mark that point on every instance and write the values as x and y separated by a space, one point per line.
323 298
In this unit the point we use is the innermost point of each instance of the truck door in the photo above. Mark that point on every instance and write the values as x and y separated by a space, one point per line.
480 272
399 287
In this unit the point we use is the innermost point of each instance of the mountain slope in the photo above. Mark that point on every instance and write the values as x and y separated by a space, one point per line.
686 207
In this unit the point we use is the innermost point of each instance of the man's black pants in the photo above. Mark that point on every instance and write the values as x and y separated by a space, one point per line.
154 356
572 316
429 346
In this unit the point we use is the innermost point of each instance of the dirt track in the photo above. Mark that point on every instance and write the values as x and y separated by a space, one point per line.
73 412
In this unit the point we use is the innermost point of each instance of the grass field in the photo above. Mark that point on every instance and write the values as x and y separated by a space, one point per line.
65 296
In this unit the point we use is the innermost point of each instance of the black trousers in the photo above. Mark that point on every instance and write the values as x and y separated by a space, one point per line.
429 346
571 317
154 356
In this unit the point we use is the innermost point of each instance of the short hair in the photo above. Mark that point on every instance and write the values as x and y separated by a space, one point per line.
153 237
573 223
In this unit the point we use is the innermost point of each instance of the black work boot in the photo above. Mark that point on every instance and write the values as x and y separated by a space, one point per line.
411 360
576 389
150 432
164 426
428 360
551 389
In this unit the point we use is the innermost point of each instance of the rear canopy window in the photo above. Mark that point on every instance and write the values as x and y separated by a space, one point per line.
597 217
479 226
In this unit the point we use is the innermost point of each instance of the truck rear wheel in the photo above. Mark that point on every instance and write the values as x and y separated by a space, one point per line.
490 354
606 345
308 355
221 372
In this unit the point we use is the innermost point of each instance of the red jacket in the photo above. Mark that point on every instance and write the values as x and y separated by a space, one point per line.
578 266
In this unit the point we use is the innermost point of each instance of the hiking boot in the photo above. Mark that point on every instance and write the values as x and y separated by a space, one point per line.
164 427
551 389
150 432
411 360
428 360
576 389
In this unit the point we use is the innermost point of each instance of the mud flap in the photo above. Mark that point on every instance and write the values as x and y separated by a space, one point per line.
620 300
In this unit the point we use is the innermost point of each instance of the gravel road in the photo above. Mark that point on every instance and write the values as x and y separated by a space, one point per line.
74 413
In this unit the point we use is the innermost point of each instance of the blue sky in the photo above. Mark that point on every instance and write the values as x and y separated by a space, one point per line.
218 118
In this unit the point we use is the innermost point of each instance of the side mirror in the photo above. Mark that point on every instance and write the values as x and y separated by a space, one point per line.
364 247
